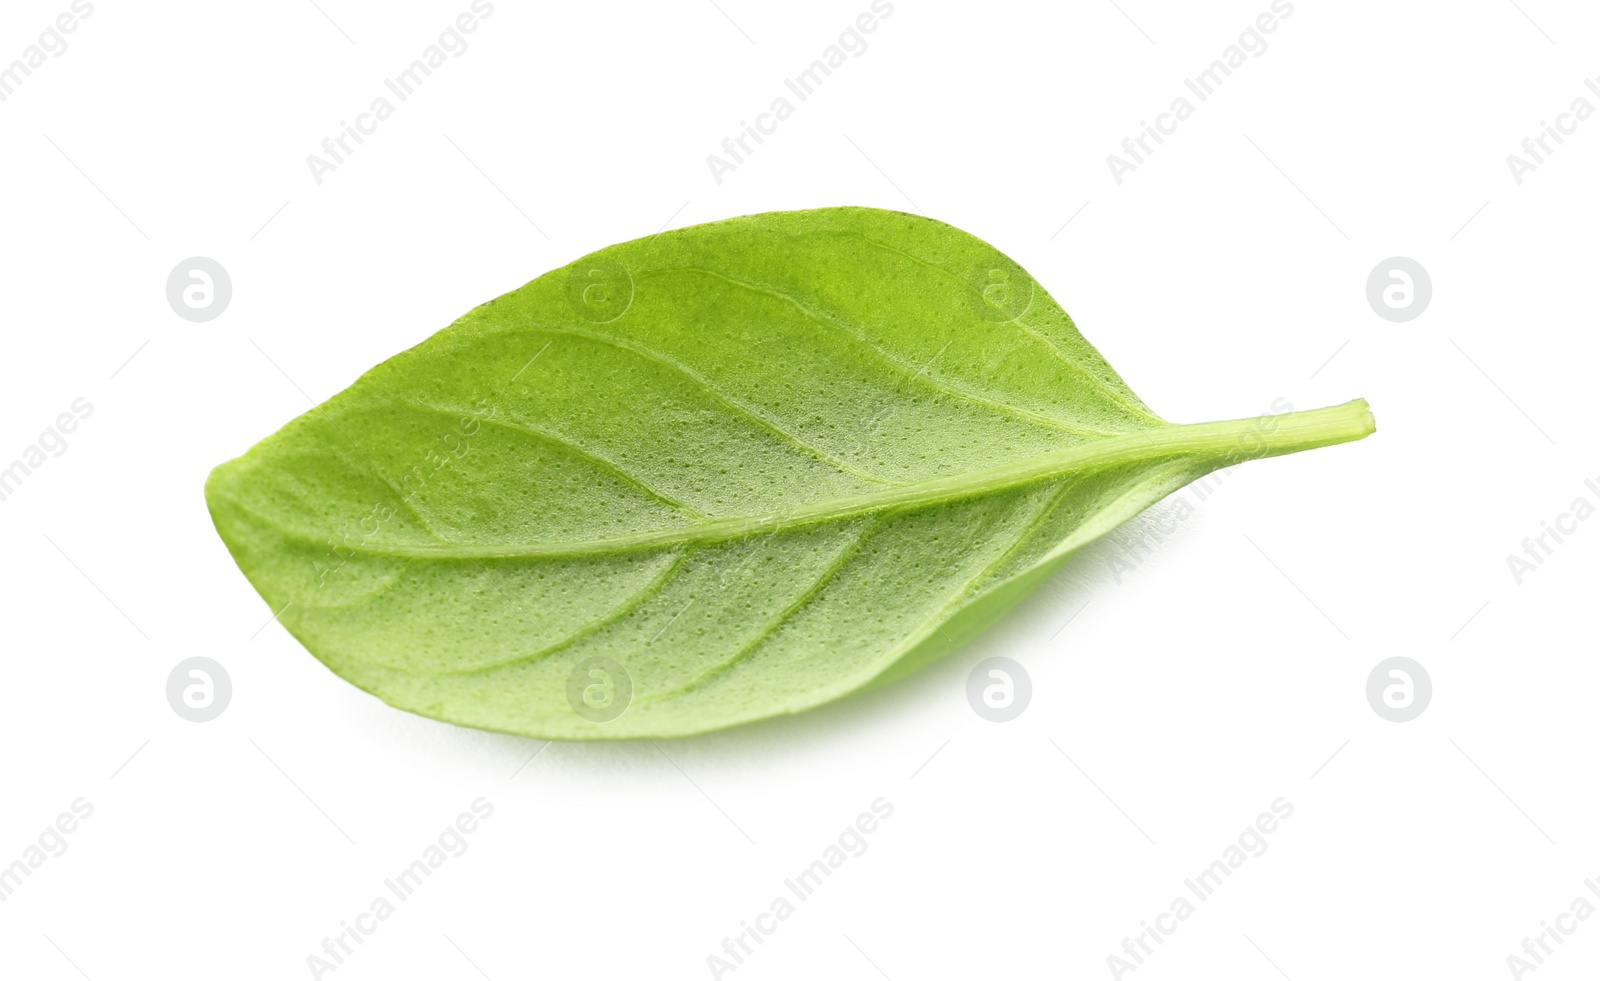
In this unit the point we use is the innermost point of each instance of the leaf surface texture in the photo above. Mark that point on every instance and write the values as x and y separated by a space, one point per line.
752 465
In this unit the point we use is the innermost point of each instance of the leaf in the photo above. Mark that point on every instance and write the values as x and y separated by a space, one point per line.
707 477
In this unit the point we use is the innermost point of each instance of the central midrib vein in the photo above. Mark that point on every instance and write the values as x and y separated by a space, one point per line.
1231 441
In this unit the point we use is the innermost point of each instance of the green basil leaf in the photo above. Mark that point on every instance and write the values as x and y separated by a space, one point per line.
707 477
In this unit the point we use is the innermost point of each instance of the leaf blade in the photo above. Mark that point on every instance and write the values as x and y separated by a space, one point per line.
741 485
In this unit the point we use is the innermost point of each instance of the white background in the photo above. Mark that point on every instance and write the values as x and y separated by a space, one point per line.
1224 672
